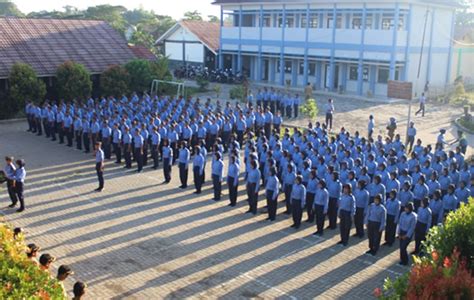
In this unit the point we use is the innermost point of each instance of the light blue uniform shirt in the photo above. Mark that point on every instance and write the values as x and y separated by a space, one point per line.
298 192
407 223
347 203
322 198
273 185
377 213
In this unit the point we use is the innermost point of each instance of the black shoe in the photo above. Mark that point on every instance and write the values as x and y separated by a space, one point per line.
316 233
248 211
20 210
293 226
355 235
368 252
12 205
402 263
287 212
340 243
99 189
387 244
197 192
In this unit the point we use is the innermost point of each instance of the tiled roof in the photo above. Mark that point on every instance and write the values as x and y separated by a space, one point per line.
46 43
142 52
207 32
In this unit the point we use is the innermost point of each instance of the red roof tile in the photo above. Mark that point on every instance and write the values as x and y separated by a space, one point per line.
207 32
142 52
47 43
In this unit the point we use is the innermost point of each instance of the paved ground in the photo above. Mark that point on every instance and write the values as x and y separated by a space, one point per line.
140 239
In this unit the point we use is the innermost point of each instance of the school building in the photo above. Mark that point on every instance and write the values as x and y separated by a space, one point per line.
354 47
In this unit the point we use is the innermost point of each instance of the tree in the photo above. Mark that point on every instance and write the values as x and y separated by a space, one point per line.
142 72
193 16
143 38
8 8
112 14
24 86
213 19
73 81
465 14
114 81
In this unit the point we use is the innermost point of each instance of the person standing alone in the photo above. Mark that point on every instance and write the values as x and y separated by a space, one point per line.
99 165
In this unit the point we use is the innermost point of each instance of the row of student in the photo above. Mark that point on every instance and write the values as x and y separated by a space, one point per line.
45 262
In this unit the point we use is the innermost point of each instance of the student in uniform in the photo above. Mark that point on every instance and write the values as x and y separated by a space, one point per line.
127 148
138 142
78 132
393 212
346 211
86 131
198 169
311 189
288 181
9 172
155 147
371 126
233 180
298 201
272 189
117 143
106 135
183 163
217 175
320 205
334 189
423 224
361 196
329 113
436 206
375 221
20 175
167 160
253 185
406 228
99 165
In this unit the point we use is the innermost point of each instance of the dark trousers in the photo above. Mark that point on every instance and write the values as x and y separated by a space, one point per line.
359 221
390 229
145 153
217 185
154 156
253 197
271 204
329 120
288 111
183 174
69 135
403 248
107 148
296 109
139 158
127 155
420 235
332 212
86 142
52 126
272 106
422 110
232 190
197 179
434 219
240 137
78 139
11 191
100 175
345 225
374 234
297 212
61 134
268 130
167 169
320 217
288 188
309 206
46 127
117 152
19 188
38 126
416 204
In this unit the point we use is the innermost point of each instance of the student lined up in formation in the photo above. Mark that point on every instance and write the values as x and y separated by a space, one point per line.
368 181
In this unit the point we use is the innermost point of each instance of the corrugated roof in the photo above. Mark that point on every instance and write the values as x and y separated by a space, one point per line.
142 52
46 43
207 32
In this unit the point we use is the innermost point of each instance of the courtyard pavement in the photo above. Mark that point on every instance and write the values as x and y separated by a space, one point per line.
140 239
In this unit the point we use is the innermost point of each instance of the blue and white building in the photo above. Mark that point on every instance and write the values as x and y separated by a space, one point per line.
354 46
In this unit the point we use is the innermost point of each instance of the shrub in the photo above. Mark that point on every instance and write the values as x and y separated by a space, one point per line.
73 81
309 109
24 86
237 92
114 81
459 90
457 232
202 83
142 72
217 89
20 278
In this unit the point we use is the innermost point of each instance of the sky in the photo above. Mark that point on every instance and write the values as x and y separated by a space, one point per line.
162 7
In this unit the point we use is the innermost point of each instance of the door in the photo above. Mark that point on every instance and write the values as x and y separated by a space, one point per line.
265 69
327 79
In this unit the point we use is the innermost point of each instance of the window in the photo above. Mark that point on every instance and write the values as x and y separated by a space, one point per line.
354 70
388 23
382 76
356 22
312 69
368 23
288 67
313 21
290 21
330 22
267 20
301 68
278 65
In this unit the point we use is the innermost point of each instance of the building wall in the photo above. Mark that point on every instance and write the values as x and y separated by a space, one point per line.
462 63
194 49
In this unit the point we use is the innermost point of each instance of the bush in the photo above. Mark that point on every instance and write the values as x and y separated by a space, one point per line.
309 109
237 92
142 72
217 89
457 232
114 81
24 86
20 278
73 81
202 83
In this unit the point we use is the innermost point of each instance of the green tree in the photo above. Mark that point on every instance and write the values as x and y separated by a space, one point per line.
114 81
112 14
24 86
193 15
213 19
465 14
141 75
143 38
8 8
73 81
